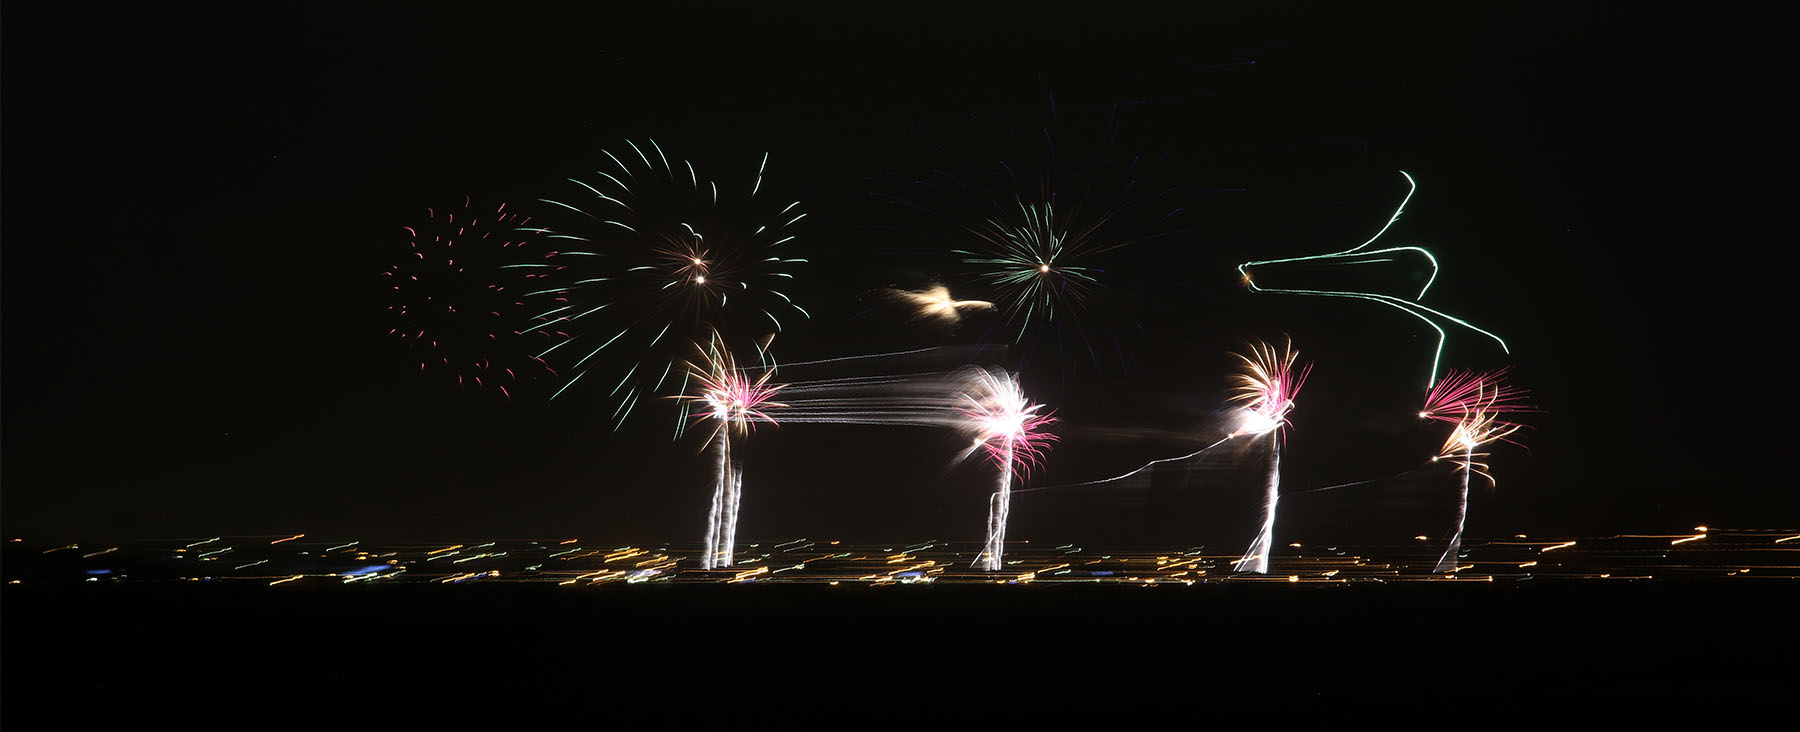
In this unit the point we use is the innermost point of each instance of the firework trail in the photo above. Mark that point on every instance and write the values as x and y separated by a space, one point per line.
655 257
733 402
1267 387
1479 400
450 304
1361 254
1009 428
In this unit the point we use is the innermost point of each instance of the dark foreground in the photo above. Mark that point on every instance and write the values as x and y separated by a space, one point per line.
228 632
152 651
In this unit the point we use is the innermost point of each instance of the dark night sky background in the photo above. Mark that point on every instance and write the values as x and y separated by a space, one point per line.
197 205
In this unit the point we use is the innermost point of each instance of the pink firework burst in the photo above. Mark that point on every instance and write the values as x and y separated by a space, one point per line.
1463 393
1006 424
730 395
1267 387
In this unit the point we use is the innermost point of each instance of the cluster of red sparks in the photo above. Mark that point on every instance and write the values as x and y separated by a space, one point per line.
1480 406
449 304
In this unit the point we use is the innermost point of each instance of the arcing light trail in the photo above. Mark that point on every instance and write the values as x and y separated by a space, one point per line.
1360 254
1267 384
657 257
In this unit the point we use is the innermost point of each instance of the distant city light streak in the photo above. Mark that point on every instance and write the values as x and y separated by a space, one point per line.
1360 254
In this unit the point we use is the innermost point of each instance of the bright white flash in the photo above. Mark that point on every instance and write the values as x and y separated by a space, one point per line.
1253 422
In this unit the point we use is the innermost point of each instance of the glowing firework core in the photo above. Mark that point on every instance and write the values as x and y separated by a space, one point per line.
1007 424
1251 422
735 400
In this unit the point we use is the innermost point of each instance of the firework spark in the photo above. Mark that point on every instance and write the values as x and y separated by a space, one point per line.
1267 386
1360 254
1010 429
656 257
451 306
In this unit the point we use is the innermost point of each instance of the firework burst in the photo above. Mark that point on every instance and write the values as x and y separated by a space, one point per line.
1267 385
734 401
1034 232
654 256
1479 403
1462 393
1036 264
450 303
1010 429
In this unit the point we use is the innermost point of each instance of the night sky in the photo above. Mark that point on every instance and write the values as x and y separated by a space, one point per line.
198 206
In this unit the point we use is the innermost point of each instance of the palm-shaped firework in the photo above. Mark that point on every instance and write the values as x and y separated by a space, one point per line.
1267 386
734 402
1478 405
1010 429
652 256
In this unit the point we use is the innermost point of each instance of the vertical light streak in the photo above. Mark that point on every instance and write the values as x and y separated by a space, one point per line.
734 491
1268 384
734 401
1256 558
1480 402
1447 563
718 547
999 505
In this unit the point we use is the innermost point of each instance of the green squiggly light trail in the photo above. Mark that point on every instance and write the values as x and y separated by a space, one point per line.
1358 255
